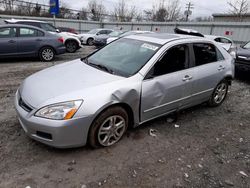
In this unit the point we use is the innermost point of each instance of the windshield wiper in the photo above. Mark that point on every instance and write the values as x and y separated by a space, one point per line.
99 66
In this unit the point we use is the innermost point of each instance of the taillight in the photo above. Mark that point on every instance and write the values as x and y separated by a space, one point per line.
60 39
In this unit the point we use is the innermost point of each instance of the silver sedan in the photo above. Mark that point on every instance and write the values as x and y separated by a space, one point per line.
128 82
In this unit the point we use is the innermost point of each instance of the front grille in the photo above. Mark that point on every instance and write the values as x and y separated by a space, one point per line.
24 105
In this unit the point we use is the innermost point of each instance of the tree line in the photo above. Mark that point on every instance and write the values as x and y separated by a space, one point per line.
161 11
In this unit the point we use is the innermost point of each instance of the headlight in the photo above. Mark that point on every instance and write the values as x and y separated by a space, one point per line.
60 111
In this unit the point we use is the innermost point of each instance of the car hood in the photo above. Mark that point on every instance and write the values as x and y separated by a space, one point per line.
62 80
243 52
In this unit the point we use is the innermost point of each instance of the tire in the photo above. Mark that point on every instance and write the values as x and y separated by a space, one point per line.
90 41
46 54
219 94
71 46
108 128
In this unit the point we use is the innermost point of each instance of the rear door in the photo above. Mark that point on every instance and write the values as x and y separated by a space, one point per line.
29 40
209 70
8 41
168 84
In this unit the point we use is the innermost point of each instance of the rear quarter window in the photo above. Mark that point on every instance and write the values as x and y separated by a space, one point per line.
206 53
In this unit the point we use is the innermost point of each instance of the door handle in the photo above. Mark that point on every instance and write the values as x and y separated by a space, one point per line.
11 41
221 68
39 40
186 78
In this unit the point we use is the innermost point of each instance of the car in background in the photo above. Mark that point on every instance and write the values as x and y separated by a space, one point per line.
71 41
22 40
136 32
242 61
88 38
101 40
225 42
67 29
129 82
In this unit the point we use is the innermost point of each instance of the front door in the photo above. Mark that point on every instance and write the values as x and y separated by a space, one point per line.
168 85
8 41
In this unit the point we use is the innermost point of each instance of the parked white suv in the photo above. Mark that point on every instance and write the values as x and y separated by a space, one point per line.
71 41
88 38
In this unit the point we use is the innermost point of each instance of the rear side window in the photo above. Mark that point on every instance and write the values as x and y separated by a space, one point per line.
7 32
206 53
175 59
28 32
225 41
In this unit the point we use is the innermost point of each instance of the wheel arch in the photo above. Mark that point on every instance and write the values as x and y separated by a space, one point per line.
48 46
71 39
125 106
229 79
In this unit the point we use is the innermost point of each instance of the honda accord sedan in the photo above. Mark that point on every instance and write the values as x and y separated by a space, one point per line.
131 81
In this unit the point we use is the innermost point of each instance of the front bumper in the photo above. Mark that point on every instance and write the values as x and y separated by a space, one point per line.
56 133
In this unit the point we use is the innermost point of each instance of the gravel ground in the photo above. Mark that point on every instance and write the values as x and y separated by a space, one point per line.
210 147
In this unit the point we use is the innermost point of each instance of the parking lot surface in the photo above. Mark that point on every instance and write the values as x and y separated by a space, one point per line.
206 147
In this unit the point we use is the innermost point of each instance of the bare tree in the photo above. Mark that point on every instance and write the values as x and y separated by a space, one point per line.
239 8
97 10
123 13
8 5
164 11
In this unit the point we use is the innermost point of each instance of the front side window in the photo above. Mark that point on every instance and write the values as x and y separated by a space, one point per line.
102 32
175 59
7 32
205 53
124 57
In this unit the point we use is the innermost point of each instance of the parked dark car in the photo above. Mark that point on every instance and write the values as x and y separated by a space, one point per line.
67 29
101 40
28 41
243 57
71 41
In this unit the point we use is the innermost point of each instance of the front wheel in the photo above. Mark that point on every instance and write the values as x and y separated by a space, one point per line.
46 54
108 128
219 94
90 41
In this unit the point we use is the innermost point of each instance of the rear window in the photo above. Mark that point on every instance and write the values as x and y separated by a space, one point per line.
206 53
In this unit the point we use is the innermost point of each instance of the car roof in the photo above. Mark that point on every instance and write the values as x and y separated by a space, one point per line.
19 20
22 25
162 38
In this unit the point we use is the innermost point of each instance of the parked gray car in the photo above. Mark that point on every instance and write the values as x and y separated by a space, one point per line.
28 41
128 82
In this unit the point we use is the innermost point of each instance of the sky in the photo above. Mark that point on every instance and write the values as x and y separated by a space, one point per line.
201 7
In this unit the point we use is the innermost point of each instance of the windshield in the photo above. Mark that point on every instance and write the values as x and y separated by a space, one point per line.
247 45
48 27
124 57
115 33
94 31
